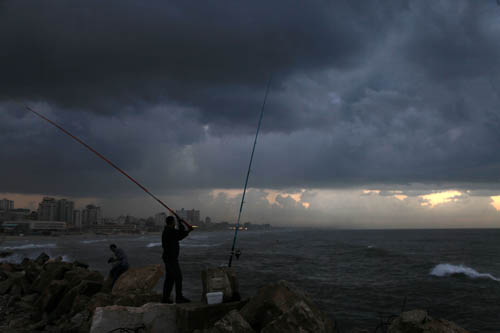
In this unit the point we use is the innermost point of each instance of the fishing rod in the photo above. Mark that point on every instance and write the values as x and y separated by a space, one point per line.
248 172
110 163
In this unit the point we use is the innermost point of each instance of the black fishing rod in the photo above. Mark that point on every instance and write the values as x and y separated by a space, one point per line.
110 163
248 172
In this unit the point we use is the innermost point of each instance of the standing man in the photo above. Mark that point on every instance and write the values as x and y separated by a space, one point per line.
120 263
170 242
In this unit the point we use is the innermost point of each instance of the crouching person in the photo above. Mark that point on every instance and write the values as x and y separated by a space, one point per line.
120 263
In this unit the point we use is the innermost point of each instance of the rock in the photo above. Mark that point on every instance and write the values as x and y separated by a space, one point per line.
89 288
420 322
220 279
6 285
138 280
280 299
98 300
5 254
233 322
300 318
192 316
42 258
31 298
137 299
80 264
75 276
32 270
51 296
6 267
154 318
81 303
66 303
52 270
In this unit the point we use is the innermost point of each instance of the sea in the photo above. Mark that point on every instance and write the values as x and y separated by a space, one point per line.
359 278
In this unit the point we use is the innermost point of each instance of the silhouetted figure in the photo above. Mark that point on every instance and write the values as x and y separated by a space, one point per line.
170 242
120 263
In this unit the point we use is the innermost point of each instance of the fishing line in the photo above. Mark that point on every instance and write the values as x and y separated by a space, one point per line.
109 162
248 172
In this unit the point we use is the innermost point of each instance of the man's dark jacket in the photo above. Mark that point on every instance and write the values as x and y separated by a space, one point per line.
170 241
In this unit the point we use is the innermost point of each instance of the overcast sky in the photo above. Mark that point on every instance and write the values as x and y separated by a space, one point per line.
380 113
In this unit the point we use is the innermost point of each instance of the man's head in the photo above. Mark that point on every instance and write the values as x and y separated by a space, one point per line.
170 221
112 247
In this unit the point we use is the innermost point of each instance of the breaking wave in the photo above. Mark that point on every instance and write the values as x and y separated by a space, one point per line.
91 241
443 270
30 246
153 244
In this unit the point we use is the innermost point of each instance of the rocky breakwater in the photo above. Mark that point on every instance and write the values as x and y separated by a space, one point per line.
50 295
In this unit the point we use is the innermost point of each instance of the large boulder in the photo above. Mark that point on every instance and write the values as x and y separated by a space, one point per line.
138 280
282 306
418 321
153 317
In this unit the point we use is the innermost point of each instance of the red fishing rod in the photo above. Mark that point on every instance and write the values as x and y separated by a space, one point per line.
112 164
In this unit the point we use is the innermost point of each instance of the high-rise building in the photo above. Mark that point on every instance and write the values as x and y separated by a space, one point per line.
51 209
47 209
77 218
192 216
6 204
65 211
208 220
91 215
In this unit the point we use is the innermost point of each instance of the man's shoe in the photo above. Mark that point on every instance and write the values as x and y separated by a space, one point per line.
182 299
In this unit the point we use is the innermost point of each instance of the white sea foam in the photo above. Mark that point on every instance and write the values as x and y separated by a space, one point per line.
67 258
91 241
443 270
30 246
153 244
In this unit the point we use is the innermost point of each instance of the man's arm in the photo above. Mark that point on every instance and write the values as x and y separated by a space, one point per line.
183 232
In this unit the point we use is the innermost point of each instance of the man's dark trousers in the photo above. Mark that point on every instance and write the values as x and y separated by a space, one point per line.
173 275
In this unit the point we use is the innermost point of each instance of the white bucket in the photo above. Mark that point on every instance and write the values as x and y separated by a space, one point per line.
215 297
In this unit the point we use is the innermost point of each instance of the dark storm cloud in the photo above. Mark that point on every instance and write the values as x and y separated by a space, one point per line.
368 92
213 55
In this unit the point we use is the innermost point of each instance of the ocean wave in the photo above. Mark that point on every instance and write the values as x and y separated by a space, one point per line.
443 270
30 246
91 241
199 245
186 245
